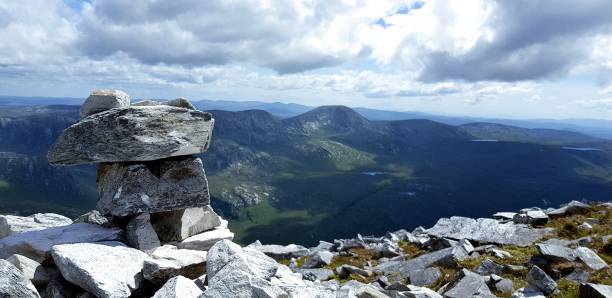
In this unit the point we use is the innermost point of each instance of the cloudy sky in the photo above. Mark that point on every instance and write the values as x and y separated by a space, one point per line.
518 58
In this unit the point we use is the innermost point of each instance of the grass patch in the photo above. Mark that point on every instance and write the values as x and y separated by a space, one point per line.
603 276
567 289
411 250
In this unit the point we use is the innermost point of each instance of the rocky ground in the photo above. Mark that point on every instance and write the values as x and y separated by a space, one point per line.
560 252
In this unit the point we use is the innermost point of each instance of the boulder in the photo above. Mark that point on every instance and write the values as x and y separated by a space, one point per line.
528 292
178 287
504 215
205 240
32 270
101 100
239 284
93 217
280 252
181 224
318 259
488 267
12 224
556 253
538 279
313 274
345 270
140 233
590 258
168 261
180 103
37 244
162 185
425 277
447 257
220 254
13 283
573 207
589 290
533 217
486 230
470 285
579 275
107 271
133 134
504 285
420 292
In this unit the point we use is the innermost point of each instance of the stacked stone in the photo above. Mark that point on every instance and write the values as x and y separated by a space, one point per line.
147 173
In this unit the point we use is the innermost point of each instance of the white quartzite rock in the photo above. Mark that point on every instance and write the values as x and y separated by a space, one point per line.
12 224
280 252
104 99
31 270
37 244
590 258
13 283
168 261
104 270
205 240
178 287
180 224
133 134
162 185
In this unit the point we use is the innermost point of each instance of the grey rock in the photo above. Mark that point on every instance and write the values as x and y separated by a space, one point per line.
205 240
13 283
538 279
58 287
104 270
420 292
487 230
32 270
579 275
585 226
220 254
425 277
590 290
140 233
345 270
528 293
238 284
12 224
146 103
133 134
163 185
227 255
280 252
104 99
488 267
313 274
573 207
504 285
168 261
181 224
180 103
178 287
557 242
556 253
93 217
447 257
318 259
590 258
37 244
470 285
504 215
533 217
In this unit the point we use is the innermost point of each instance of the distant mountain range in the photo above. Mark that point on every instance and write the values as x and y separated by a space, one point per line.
331 172
594 127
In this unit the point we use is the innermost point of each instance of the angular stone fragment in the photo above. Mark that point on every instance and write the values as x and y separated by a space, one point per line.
280 252
589 290
488 267
13 283
556 253
168 261
504 285
318 259
12 224
534 217
504 215
470 285
180 103
178 287
537 278
205 240
181 224
104 270
573 207
425 277
447 257
486 230
32 270
93 217
313 274
528 292
59 287
146 103
164 185
140 233
590 258
420 292
133 134
101 100
37 244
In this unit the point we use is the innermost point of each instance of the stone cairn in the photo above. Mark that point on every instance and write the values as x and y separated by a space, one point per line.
148 181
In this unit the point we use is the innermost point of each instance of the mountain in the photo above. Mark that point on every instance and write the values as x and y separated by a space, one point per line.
331 172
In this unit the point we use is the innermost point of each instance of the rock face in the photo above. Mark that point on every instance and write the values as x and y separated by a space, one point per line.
13 283
11 224
486 230
164 185
133 134
104 270
168 261
104 99
37 244
178 287
180 224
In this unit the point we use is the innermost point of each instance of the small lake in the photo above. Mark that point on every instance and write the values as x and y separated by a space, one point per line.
581 148
485 141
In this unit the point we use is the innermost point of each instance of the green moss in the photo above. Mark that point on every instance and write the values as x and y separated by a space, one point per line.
603 276
411 250
471 263
567 289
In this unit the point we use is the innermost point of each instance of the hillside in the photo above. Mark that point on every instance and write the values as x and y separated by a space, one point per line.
331 173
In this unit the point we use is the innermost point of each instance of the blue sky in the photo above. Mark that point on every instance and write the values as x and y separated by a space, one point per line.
516 59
